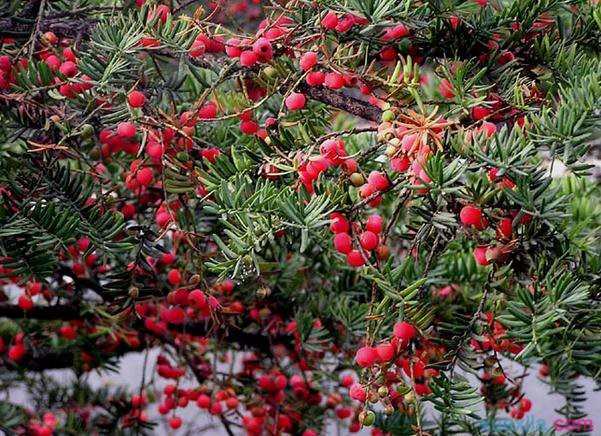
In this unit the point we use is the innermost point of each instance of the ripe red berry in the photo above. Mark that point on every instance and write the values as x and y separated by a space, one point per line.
68 332
357 392
355 258
315 78
334 80
525 404
505 228
374 223
295 101
136 99
262 47
369 240
16 352
446 89
249 127
385 352
175 422
480 112
248 58
366 356
308 60
144 176
25 302
471 216
330 21
404 331
232 47
339 223
480 255
126 129
68 69
174 277
343 243
378 180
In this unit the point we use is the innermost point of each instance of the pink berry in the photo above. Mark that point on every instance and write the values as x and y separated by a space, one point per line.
366 356
354 258
480 255
339 224
385 352
357 392
295 101
136 99
369 240
404 331
144 176
262 47
330 21
343 243
374 223
315 78
68 69
471 216
174 277
248 58
334 80
308 60
126 129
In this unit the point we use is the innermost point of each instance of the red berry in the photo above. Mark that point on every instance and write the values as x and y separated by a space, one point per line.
525 404
339 224
249 127
357 392
232 47
68 332
144 176
480 112
126 129
480 255
446 89
68 69
203 401
374 223
295 101
248 58
404 331
471 216
315 78
366 356
308 60
330 21
369 240
16 352
343 243
136 99
262 47
175 422
25 302
174 277
355 258
378 180
334 80
505 228
385 352
197 49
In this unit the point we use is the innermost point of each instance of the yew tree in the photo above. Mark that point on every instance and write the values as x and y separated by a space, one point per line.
350 213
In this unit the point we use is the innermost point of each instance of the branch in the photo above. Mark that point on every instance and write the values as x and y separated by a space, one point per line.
46 313
352 105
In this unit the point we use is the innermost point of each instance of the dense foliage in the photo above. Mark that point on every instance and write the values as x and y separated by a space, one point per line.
349 210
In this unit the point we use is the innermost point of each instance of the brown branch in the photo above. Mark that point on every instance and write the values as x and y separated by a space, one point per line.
45 313
352 105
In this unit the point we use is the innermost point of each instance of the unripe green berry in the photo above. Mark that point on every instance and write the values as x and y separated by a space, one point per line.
387 115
